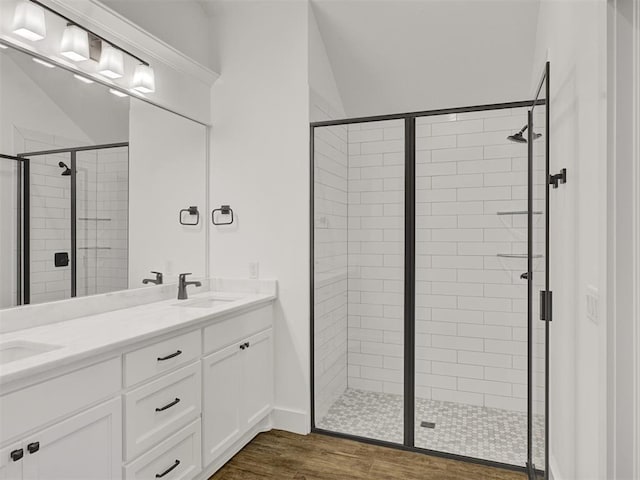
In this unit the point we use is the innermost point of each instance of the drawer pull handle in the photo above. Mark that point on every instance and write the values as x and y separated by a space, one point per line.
17 455
244 345
168 470
160 359
168 405
33 447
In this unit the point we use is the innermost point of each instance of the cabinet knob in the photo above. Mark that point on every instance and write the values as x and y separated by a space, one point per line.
17 455
243 346
33 447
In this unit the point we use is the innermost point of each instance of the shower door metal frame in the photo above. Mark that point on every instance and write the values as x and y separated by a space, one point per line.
23 274
546 301
409 278
73 152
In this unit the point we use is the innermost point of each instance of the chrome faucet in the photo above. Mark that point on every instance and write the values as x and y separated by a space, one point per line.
157 281
183 284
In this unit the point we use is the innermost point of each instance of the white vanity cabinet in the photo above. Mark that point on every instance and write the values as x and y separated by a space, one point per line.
237 380
84 445
176 406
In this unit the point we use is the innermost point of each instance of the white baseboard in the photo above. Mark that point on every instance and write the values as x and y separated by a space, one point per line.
294 421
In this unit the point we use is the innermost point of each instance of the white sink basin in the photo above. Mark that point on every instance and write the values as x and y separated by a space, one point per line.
209 302
19 349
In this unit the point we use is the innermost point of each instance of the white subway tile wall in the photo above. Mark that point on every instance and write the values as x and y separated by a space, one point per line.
376 256
330 258
102 192
470 304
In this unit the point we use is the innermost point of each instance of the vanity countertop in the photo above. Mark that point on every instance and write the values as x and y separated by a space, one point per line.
82 338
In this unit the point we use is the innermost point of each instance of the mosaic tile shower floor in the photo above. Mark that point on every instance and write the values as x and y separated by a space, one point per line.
469 430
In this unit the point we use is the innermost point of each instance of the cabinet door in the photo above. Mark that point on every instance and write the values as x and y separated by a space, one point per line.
86 446
257 370
222 373
11 469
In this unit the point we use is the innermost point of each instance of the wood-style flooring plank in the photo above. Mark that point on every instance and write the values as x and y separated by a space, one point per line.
287 456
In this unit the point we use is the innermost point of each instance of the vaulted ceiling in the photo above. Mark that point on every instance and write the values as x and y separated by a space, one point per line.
406 55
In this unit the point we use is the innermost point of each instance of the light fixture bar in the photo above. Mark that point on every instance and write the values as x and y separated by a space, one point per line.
87 30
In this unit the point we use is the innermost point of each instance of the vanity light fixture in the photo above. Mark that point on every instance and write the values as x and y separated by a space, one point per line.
43 63
111 62
75 43
28 21
117 93
83 79
144 79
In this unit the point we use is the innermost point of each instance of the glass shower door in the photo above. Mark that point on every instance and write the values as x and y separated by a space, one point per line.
358 280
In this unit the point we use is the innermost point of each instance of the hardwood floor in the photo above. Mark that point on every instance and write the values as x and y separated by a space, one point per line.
286 456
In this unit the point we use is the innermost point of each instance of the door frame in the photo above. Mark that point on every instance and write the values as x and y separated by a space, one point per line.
409 275
623 239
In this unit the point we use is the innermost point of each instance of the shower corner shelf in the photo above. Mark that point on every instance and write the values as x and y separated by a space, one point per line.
517 212
516 255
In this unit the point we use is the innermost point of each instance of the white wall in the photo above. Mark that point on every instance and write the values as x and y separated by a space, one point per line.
572 35
182 24
167 173
260 166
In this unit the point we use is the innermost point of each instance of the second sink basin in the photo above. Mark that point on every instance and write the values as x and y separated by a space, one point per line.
209 302
19 349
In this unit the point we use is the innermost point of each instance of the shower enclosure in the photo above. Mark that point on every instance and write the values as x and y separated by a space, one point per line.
429 284
66 210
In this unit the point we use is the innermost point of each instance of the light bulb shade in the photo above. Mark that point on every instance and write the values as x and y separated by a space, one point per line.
75 43
28 21
144 79
111 62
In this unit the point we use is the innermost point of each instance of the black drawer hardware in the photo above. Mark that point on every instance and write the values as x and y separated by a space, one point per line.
17 455
33 447
160 359
168 405
175 464
248 344
244 345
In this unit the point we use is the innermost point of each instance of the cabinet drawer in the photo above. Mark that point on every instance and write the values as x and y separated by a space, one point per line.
157 409
179 456
40 404
149 361
226 332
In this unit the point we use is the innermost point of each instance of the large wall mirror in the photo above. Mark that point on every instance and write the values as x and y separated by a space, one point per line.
91 186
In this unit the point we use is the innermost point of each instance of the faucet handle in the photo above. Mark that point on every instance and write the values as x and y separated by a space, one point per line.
183 275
